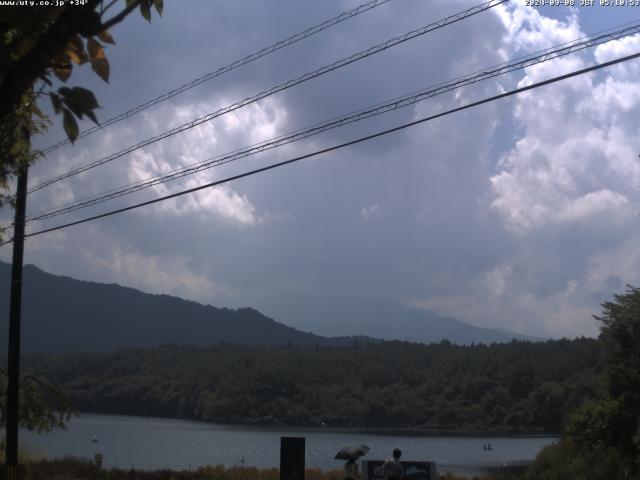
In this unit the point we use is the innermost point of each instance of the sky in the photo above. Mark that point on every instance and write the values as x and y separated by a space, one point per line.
520 214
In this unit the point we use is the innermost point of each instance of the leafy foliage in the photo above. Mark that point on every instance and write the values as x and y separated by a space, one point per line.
620 334
72 468
392 384
565 460
38 44
601 440
43 406
76 468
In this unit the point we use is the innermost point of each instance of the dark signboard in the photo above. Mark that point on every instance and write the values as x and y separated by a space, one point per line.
291 458
374 470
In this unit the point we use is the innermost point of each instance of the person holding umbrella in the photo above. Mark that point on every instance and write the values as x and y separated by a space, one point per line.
351 454
351 470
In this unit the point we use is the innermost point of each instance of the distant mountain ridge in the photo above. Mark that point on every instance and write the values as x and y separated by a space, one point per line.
426 327
61 314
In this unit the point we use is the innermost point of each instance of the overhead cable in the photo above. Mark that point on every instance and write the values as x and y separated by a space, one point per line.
340 146
379 109
266 93
227 68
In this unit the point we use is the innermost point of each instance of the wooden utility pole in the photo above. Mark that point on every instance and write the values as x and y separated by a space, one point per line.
15 309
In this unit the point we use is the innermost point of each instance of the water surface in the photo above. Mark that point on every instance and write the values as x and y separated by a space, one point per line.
152 443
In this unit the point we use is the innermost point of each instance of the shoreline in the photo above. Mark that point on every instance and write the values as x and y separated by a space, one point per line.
404 431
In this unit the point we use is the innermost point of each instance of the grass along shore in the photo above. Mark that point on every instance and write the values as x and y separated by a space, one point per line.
72 468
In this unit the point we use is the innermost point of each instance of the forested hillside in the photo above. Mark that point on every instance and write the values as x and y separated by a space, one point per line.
516 386
62 315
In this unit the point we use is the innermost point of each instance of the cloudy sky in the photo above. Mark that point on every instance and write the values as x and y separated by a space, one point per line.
520 214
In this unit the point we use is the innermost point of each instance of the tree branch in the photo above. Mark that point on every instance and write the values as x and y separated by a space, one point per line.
119 17
104 9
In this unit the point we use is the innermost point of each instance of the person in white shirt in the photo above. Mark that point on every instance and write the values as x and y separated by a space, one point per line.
393 469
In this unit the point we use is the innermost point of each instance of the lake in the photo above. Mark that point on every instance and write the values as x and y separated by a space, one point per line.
152 443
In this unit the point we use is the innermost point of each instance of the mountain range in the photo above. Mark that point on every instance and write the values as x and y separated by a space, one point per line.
61 314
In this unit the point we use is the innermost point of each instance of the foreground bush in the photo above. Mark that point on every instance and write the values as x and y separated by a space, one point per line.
72 468
75 468
564 460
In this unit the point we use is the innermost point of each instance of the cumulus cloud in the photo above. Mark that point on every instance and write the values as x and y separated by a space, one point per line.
572 161
611 268
200 144
518 214
370 213
564 312
572 175
220 201
154 274
528 30
497 279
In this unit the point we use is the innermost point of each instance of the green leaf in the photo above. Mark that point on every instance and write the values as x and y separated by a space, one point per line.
63 72
95 49
62 67
75 50
129 3
145 10
70 101
106 37
99 62
92 116
80 101
159 4
81 96
57 104
86 96
70 125
101 67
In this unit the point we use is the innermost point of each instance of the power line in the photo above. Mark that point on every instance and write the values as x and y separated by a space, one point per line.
342 145
552 52
379 109
266 93
227 68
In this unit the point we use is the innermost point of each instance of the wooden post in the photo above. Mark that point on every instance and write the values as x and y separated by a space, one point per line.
15 309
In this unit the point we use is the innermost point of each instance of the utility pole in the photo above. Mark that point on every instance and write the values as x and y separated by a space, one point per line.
15 309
